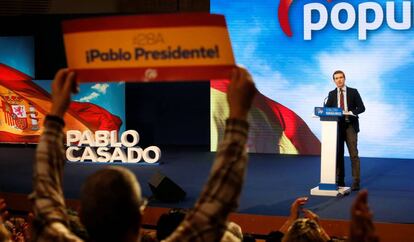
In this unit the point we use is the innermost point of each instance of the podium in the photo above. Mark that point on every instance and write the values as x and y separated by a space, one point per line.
329 119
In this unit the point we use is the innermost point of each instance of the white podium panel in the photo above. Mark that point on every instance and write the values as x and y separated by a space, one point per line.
327 185
328 152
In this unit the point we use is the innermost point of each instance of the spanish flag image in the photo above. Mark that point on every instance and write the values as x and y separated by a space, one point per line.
24 105
274 128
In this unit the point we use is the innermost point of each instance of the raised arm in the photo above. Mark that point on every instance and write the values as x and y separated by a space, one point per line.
295 208
47 196
362 228
220 196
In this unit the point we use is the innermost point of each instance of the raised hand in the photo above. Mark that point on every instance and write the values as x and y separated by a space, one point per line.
240 93
362 228
310 215
63 85
297 206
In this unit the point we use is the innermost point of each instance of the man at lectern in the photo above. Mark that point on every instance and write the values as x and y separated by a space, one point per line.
348 127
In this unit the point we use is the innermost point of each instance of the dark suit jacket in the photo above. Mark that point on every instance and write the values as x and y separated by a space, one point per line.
354 101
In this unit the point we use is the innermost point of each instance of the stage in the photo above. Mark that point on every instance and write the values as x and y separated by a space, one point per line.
272 182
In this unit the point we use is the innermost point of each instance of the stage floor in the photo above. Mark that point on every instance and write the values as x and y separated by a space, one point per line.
272 182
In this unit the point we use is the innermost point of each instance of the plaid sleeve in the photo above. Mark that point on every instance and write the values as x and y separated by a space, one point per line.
220 196
47 196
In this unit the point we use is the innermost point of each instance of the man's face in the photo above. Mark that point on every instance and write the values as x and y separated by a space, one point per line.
339 80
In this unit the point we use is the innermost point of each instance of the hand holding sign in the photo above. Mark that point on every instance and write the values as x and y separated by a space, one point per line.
62 86
240 93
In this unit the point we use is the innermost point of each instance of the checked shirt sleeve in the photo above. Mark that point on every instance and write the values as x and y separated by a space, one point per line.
220 196
47 196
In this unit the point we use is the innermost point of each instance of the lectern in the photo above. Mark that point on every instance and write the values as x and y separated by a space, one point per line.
329 119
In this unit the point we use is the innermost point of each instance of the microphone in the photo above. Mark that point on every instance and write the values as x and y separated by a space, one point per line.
325 101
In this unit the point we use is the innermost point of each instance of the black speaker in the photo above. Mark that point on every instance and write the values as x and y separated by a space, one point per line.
165 190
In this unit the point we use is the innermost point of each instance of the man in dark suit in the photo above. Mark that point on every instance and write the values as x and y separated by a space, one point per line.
348 127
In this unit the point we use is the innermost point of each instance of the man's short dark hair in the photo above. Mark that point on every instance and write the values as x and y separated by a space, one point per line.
110 204
338 72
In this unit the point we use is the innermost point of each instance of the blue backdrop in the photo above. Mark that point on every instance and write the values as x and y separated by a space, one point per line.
297 72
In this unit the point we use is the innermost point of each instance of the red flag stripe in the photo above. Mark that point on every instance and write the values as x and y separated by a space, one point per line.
292 125
143 21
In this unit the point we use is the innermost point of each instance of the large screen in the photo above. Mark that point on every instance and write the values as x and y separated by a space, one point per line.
293 47
24 102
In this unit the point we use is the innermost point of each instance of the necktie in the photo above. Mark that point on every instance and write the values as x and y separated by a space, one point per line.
341 99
